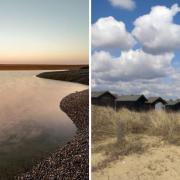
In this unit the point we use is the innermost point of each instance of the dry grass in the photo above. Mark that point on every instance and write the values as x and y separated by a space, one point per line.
103 123
108 123
134 132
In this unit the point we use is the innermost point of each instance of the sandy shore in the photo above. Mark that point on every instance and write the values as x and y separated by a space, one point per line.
160 161
72 160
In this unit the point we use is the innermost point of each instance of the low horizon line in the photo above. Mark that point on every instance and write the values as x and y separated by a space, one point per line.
4 67
45 64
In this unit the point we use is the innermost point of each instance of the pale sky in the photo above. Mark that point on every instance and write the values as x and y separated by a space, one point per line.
44 31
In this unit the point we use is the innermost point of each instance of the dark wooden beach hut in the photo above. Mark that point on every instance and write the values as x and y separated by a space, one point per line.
131 102
155 103
104 98
173 105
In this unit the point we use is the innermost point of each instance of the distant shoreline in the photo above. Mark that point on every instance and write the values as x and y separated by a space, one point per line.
5 67
77 76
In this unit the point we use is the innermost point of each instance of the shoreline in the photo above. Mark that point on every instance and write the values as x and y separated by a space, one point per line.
70 161
15 67
77 76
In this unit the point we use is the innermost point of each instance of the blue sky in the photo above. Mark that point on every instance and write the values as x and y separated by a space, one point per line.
103 8
44 31
160 58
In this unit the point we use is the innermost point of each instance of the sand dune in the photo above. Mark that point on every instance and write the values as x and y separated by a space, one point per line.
130 145
157 163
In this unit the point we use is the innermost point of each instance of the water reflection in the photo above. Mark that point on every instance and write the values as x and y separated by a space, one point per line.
31 123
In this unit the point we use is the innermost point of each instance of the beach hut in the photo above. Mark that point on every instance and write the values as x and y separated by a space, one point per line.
132 102
173 105
155 103
104 98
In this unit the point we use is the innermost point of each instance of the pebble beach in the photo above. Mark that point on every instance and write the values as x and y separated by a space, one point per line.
70 162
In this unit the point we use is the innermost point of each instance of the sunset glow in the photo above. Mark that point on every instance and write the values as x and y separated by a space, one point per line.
44 32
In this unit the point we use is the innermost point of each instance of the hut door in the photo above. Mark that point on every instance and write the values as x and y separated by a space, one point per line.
159 106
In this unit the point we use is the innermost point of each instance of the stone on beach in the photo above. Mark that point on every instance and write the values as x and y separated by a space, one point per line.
70 162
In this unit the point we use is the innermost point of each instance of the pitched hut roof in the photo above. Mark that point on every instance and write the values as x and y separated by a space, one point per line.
100 93
130 97
173 102
152 100
97 94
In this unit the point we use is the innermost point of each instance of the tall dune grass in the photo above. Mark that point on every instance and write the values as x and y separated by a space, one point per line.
108 123
127 132
103 123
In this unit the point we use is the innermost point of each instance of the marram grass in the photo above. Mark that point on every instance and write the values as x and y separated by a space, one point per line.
108 123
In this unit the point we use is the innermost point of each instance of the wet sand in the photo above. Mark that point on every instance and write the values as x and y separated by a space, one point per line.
72 160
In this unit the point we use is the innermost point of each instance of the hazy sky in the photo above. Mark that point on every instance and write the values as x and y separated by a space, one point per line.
44 31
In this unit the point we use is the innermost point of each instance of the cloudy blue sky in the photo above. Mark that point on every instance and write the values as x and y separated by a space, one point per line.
135 47
44 31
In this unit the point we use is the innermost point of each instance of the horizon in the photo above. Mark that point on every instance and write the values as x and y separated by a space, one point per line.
46 64
8 67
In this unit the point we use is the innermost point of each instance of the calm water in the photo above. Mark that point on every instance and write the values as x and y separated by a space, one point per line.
31 122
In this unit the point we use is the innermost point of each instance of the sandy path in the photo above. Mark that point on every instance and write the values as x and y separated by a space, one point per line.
158 163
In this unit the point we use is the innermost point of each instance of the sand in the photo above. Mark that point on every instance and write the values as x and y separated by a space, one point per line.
159 162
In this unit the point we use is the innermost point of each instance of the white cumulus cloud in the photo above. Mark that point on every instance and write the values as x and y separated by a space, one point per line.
108 33
156 31
125 4
155 87
131 65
